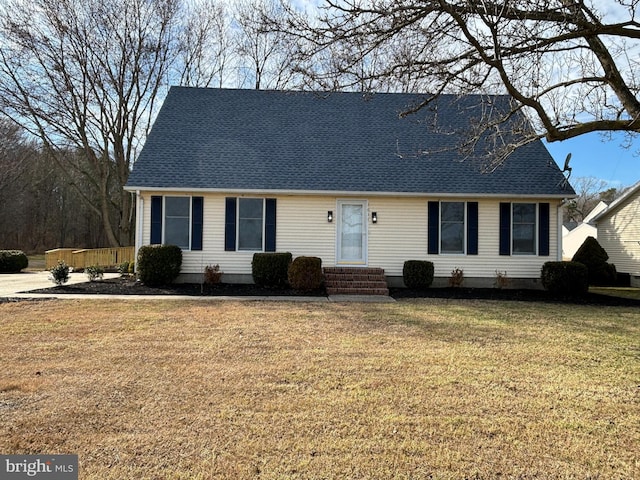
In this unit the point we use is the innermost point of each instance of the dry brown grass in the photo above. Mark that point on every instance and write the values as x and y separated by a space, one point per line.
417 389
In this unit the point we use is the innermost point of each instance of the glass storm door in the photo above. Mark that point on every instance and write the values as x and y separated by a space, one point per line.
352 232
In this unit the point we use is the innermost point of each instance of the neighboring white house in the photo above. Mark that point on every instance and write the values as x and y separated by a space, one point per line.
619 233
573 239
344 177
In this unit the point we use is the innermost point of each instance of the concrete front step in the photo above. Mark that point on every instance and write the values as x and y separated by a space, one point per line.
355 281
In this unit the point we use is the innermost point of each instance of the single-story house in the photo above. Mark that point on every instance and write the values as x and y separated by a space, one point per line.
573 239
352 178
619 233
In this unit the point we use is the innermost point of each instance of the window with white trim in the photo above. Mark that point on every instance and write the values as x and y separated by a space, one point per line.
452 229
177 221
524 228
250 223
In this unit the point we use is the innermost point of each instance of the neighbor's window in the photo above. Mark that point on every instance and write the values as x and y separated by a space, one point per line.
524 228
177 221
250 223
451 227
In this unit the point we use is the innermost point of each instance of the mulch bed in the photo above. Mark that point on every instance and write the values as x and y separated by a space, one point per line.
128 286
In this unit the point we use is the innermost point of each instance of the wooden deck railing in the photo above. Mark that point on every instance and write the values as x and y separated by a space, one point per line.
82 258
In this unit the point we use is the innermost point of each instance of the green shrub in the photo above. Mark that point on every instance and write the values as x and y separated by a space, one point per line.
12 261
271 269
59 273
123 268
417 274
305 273
565 278
594 257
94 273
159 264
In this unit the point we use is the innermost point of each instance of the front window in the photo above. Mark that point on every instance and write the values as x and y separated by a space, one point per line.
452 227
177 221
250 223
524 228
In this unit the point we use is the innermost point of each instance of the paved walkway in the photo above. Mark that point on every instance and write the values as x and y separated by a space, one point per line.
17 285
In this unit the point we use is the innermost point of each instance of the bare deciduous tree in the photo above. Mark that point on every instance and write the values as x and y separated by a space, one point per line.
590 191
571 65
206 51
85 75
265 56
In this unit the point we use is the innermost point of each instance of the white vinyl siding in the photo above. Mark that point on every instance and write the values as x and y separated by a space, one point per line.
400 234
619 235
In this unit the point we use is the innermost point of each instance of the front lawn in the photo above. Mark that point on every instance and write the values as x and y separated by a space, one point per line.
621 292
417 389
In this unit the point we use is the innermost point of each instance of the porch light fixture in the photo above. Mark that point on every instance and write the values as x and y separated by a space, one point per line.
330 216
374 217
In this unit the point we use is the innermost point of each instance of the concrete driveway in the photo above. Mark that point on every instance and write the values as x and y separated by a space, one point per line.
15 283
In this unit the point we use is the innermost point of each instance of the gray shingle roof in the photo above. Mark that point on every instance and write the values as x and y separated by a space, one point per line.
336 142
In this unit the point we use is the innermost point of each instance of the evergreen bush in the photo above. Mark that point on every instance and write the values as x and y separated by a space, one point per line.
159 264
305 273
418 274
271 269
59 273
12 261
565 278
594 257
94 272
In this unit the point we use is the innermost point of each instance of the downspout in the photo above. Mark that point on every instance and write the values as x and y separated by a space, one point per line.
561 206
139 226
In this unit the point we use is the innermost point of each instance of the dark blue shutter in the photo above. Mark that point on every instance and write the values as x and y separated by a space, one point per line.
433 223
505 228
230 224
270 225
197 217
156 220
472 228
543 229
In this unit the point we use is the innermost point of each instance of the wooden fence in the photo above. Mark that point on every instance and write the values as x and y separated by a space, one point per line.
100 257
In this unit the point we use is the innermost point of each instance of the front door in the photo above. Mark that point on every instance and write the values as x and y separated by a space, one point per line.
352 232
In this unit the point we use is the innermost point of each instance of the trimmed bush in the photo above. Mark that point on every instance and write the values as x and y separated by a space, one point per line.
594 257
305 273
59 273
271 269
159 264
417 274
12 261
565 278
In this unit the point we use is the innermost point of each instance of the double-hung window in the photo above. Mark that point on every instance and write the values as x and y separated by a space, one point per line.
177 221
524 230
452 237
452 228
250 223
